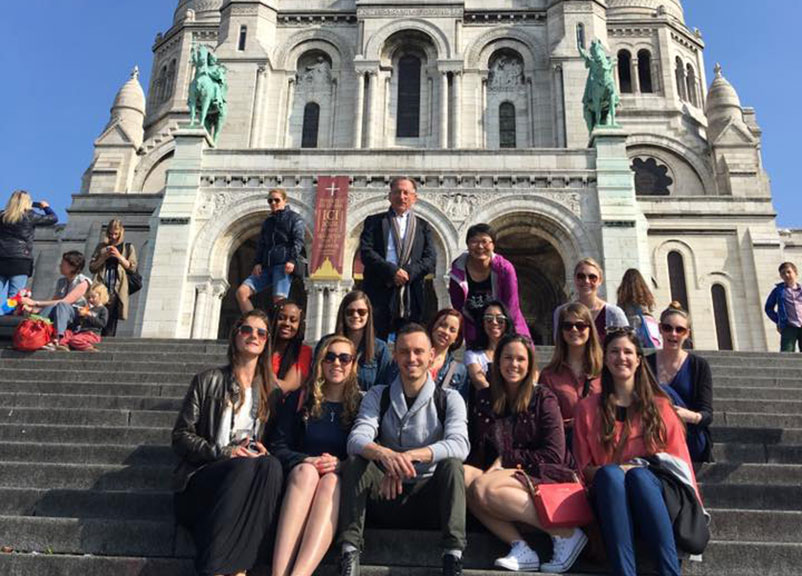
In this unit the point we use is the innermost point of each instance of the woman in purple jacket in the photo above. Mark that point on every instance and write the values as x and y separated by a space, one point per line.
479 276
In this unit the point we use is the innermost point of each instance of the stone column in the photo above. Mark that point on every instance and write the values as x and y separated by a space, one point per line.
372 85
635 75
443 109
258 106
483 140
457 109
333 124
219 289
360 108
623 230
288 116
530 89
168 296
200 316
559 106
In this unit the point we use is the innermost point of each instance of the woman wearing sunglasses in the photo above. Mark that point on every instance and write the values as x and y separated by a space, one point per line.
517 443
480 275
355 321
631 420
687 379
575 368
445 331
588 277
479 358
292 359
310 441
228 488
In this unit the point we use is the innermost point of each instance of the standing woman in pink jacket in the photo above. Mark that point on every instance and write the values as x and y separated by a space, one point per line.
478 276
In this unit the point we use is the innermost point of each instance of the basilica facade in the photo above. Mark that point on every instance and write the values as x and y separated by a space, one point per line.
481 102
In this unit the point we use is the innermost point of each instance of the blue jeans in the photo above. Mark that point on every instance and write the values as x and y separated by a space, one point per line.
11 285
274 277
626 502
61 314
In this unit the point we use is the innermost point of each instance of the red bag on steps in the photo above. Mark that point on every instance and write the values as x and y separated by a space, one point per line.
32 334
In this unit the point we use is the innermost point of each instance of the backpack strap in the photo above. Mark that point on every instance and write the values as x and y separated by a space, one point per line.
586 388
449 375
440 404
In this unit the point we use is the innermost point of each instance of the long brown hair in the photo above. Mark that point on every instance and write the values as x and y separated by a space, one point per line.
352 394
441 314
527 387
369 335
264 366
634 291
593 358
644 401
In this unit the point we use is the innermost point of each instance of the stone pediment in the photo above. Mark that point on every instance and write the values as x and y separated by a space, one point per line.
735 134
115 135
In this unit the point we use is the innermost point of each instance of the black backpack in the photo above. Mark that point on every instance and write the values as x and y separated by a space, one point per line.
440 404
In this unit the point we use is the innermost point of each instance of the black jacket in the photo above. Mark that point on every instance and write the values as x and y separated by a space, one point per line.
195 430
378 281
94 322
16 240
281 239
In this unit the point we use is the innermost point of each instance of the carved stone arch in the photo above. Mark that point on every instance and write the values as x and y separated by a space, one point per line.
149 162
697 163
659 262
375 43
286 56
477 57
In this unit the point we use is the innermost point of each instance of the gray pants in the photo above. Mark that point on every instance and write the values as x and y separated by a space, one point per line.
61 314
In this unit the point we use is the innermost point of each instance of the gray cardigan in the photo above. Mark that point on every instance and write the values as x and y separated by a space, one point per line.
403 429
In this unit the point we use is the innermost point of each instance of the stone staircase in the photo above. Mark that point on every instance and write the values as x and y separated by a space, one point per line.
85 468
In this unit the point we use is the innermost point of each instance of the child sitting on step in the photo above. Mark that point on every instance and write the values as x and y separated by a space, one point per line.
84 331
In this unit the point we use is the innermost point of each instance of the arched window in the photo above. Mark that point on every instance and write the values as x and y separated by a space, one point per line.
645 71
625 71
506 125
679 74
170 81
311 124
721 315
161 84
691 80
580 35
408 117
676 278
243 38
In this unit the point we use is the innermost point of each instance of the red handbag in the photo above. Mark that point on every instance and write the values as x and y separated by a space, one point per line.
32 334
562 505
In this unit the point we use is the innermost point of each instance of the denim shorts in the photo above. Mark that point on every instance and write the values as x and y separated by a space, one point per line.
274 277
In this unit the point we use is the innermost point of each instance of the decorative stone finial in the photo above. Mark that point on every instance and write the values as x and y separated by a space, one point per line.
135 73
717 70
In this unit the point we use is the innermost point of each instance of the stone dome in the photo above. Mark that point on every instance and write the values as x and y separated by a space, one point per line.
131 96
205 10
723 105
640 8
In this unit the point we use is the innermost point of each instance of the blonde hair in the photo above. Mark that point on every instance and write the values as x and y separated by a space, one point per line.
281 191
593 264
115 223
19 203
100 289
352 396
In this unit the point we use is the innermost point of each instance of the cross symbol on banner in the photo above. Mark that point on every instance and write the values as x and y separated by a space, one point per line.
333 189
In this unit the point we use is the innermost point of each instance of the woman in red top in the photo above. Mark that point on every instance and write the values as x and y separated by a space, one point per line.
630 420
292 359
575 368
517 441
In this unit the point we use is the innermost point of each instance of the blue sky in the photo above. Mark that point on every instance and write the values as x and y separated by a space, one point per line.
64 60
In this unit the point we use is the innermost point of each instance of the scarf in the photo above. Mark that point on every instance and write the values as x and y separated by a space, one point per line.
401 303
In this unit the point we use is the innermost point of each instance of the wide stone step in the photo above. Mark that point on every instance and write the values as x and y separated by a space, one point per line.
793 407
755 420
88 363
752 496
757 453
106 356
154 389
742 381
69 565
89 401
80 417
747 559
109 454
753 393
85 476
53 434
138 376
772 435
756 525
735 473
66 503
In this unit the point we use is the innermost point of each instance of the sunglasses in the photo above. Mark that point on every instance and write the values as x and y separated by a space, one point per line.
248 330
580 326
345 358
581 276
274 200
353 312
495 318
668 329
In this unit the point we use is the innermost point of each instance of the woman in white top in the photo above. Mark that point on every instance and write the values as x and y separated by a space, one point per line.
495 324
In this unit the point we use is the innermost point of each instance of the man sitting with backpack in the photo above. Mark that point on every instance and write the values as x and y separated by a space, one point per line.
406 451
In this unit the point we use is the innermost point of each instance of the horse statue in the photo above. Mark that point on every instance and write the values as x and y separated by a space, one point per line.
601 96
208 92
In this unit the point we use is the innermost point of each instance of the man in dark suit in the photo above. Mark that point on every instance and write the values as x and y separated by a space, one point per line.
397 253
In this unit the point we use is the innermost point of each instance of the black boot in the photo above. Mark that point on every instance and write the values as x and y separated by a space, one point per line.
349 563
452 566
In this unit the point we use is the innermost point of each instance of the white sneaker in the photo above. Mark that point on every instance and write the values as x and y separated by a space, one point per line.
520 559
566 551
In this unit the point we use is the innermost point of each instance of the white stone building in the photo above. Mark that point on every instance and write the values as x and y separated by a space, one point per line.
480 101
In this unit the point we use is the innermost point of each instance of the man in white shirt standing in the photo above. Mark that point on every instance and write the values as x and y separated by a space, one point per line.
397 253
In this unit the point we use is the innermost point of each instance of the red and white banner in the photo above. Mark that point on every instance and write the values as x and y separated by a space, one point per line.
328 244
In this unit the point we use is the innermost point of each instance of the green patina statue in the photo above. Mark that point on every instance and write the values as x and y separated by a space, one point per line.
208 91
601 96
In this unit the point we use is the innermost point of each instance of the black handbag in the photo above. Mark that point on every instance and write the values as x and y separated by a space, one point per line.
134 279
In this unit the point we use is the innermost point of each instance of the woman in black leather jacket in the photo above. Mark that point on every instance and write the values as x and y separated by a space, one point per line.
228 488
17 223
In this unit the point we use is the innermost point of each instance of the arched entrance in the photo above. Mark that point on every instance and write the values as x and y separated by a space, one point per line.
239 268
540 269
